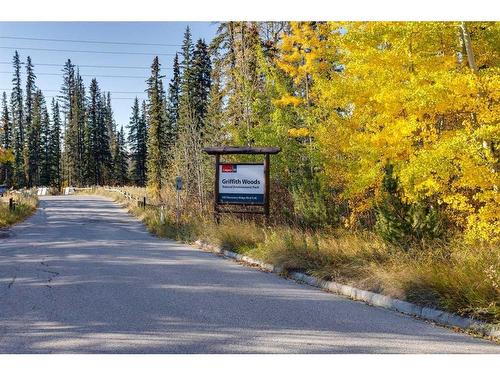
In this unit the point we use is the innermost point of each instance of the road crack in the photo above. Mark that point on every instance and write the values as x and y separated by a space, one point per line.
52 272
12 282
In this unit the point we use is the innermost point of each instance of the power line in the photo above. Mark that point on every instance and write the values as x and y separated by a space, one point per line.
82 51
112 98
92 41
84 75
112 92
87 66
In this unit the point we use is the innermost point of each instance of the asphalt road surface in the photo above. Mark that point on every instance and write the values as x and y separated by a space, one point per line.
84 276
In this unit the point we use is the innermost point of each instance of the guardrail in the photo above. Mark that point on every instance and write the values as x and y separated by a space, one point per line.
142 201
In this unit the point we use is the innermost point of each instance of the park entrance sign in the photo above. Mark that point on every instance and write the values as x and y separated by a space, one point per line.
241 184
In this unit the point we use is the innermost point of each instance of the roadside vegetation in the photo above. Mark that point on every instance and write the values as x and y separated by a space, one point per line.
25 206
450 275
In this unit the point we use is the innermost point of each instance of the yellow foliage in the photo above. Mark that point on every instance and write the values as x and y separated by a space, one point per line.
402 92
287 100
6 156
297 133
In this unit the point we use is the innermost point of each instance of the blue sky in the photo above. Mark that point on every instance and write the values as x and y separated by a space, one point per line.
132 32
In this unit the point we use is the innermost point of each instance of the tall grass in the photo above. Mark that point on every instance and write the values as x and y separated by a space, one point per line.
451 276
454 277
459 278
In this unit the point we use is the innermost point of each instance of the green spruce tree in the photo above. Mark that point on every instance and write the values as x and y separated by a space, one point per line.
97 140
112 134
173 100
137 139
17 123
193 103
55 147
201 71
30 160
157 142
45 139
74 143
142 149
120 166
6 140
33 149
66 97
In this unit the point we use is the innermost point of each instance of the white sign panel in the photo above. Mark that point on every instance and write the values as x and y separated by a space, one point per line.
241 183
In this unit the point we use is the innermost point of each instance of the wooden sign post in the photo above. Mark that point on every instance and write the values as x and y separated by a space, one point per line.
241 184
178 188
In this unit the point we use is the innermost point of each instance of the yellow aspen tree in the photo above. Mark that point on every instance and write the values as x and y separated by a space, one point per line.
422 96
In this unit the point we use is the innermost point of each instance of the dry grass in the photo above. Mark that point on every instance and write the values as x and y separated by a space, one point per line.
25 207
451 276
455 277
161 224
233 234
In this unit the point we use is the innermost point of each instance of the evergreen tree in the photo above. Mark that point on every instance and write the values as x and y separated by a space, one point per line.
45 140
112 133
214 120
239 43
17 122
108 117
133 128
136 139
75 135
93 117
67 90
120 166
187 80
173 98
80 115
201 71
55 146
66 97
193 102
157 144
31 161
142 149
33 145
97 142
6 140
6 126
30 94
402 223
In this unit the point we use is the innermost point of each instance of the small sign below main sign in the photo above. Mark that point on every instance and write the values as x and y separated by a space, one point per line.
242 184
178 183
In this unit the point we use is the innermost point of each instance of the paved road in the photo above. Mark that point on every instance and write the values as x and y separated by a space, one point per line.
83 276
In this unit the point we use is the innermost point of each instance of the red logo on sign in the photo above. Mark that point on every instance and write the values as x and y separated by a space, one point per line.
228 168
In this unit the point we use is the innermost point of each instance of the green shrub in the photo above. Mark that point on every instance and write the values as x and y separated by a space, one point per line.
312 209
401 223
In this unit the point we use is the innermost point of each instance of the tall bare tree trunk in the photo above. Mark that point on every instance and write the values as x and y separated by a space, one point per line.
471 60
